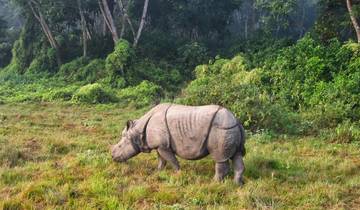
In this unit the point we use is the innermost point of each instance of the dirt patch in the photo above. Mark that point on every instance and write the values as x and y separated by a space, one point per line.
32 144
69 126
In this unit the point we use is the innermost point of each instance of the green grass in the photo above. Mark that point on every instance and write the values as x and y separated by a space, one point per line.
56 156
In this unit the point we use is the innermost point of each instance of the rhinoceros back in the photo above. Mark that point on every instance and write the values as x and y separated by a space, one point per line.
189 127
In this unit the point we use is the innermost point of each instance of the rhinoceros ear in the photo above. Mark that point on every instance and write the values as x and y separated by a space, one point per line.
129 124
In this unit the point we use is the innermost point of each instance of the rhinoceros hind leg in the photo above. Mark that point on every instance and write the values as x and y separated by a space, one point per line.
221 170
162 162
169 156
239 168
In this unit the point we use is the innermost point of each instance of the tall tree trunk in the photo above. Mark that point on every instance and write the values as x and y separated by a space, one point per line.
123 26
353 19
85 34
302 22
103 26
45 28
142 22
104 7
126 16
246 22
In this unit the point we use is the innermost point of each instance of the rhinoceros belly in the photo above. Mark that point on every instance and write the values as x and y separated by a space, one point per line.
189 127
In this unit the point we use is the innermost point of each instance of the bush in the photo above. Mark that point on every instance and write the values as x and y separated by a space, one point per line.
141 95
114 81
44 62
147 70
192 55
92 72
83 70
297 69
346 132
61 94
68 70
92 94
117 61
19 60
228 83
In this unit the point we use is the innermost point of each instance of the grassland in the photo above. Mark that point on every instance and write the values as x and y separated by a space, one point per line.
56 156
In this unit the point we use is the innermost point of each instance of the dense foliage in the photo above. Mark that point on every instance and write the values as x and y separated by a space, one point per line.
301 89
287 67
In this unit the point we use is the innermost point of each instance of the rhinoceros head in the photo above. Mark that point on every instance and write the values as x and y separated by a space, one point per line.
127 147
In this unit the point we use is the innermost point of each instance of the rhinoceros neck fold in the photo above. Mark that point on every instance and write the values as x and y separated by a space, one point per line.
141 125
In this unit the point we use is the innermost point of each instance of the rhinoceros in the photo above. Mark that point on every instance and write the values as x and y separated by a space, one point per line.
190 132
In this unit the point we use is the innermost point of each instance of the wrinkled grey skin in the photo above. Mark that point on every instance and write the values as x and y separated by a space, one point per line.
190 132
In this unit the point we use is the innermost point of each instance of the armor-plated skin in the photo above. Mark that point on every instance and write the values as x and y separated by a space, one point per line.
190 132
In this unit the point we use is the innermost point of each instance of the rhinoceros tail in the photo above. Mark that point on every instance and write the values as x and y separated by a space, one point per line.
242 149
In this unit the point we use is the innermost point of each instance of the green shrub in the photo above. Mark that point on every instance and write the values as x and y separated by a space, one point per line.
324 116
346 132
19 61
117 61
114 81
44 62
141 95
228 83
92 72
147 70
61 94
68 70
83 70
92 94
297 69
192 55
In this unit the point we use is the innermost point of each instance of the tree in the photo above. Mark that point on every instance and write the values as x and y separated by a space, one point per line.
35 8
189 21
108 18
125 17
3 27
85 31
353 19
275 15
142 22
5 46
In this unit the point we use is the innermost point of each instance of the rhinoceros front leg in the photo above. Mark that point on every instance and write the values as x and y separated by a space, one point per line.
169 156
221 170
162 162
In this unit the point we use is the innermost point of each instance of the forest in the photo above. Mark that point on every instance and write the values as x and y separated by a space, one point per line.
73 72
